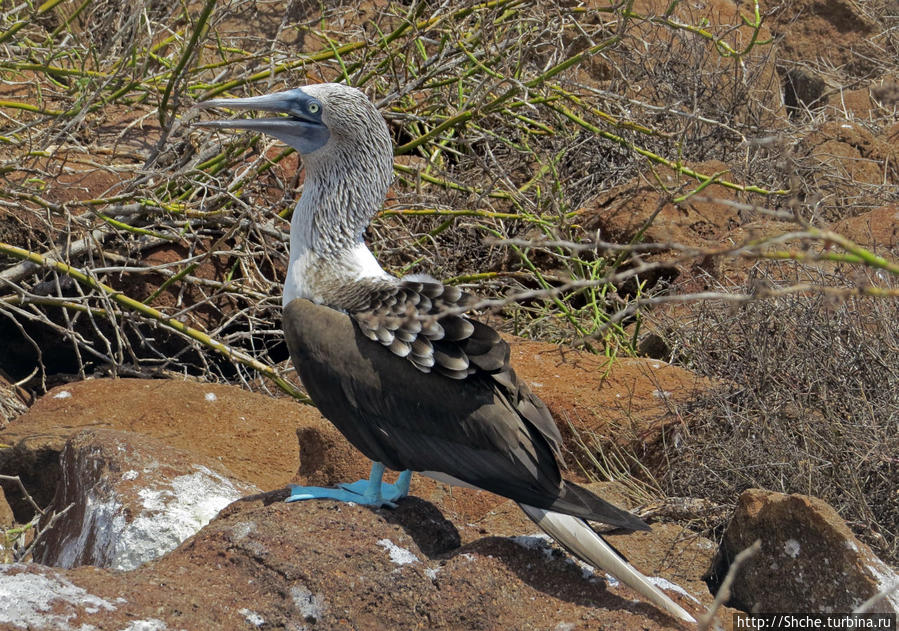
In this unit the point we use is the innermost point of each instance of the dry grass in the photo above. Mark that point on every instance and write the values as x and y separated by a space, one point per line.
808 403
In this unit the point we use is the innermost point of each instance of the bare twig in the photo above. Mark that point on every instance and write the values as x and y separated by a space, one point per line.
883 594
705 621
24 491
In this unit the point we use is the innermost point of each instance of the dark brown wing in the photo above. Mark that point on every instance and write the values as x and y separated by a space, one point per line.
486 429
419 320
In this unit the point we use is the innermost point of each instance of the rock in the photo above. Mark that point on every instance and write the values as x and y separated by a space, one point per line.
886 94
735 88
707 221
803 87
809 562
316 564
856 157
325 565
620 213
133 498
853 151
876 229
669 553
37 597
252 434
201 310
6 515
631 399
804 24
326 458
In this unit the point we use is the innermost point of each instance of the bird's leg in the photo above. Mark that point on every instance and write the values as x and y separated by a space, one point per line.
402 483
376 489
371 492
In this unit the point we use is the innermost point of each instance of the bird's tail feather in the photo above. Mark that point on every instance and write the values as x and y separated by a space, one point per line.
576 536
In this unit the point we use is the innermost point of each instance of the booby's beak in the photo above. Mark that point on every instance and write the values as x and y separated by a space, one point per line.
302 128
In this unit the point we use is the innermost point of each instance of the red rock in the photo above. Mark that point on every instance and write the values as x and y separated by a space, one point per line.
810 561
628 400
253 435
878 228
805 24
620 213
6 515
853 151
133 498
332 562
668 552
736 86
641 210
321 564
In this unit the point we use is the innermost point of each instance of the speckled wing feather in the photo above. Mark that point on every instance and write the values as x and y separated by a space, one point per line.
414 319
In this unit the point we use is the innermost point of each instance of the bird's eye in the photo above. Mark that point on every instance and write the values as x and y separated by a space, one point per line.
313 108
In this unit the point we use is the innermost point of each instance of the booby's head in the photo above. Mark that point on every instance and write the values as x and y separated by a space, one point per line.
345 146
316 116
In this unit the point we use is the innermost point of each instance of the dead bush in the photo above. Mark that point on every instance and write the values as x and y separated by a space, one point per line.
808 403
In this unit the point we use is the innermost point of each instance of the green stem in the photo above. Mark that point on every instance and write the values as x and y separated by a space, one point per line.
199 29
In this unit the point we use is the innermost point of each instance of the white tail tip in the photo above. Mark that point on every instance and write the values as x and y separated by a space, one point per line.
577 537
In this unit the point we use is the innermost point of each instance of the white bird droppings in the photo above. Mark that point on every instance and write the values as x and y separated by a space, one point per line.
311 606
42 601
170 514
543 543
63 394
792 548
887 580
539 542
210 396
252 617
151 624
398 555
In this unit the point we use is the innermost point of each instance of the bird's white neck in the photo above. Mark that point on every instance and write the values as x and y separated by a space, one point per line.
326 246
315 277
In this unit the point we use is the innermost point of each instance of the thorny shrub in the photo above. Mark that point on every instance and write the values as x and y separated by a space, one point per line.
807 402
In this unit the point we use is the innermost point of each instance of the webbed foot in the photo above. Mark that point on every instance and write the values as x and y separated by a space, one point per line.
371 492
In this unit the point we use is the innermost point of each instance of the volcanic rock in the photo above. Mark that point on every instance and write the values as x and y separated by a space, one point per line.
809 562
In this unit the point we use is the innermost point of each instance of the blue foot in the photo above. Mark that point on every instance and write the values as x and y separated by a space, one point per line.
371 492
389 492
299 493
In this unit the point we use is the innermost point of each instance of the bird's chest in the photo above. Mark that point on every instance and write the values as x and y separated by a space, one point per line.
318 278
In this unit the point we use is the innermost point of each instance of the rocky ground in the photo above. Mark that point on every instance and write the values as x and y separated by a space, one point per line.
166 527
160 498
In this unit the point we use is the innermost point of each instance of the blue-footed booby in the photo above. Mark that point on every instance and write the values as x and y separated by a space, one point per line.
411 385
